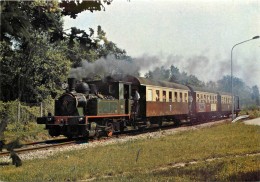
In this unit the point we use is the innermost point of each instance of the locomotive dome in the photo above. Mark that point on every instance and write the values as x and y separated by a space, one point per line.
83 88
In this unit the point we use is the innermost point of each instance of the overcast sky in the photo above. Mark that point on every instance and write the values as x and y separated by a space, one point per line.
196 36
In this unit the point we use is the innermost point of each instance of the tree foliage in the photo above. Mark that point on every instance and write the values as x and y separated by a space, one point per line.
36 53
33 62
239 88
18 19
33 76
256 95
72 8
173 74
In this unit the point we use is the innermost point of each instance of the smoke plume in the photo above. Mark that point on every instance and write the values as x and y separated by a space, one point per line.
104 67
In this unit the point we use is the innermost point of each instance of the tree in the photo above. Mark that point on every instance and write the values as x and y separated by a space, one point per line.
159 73
18 19
239 88
36 52
256 95
34 76
224 84
175 74
212 85
33 61
72 8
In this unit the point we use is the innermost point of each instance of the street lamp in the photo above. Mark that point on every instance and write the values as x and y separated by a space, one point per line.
232 94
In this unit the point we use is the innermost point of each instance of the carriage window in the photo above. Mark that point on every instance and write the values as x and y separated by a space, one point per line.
186 97
149 95
164 96
170 96
157 95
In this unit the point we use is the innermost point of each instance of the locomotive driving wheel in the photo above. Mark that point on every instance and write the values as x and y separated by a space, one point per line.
109 128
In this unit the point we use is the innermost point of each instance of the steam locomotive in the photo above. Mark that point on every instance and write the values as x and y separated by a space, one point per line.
102 107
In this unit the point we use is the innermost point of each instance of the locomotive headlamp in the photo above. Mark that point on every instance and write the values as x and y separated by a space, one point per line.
81 120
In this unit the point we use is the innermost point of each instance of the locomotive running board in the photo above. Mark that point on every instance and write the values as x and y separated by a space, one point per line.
108 116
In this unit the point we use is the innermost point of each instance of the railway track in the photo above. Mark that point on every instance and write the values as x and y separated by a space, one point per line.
41 145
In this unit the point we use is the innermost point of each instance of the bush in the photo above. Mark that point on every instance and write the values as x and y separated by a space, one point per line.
252 111
20 119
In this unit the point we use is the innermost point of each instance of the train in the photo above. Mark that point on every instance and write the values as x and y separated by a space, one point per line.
102 107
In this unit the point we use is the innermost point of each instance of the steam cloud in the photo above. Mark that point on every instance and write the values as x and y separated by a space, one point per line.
201 66
104 67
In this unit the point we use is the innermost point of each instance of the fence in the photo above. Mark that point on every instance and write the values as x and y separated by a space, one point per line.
19 114
29 112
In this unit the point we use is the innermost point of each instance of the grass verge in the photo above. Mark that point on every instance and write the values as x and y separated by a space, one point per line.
142 160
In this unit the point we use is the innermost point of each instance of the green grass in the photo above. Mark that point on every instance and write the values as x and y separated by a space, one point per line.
119 162
231 169
27 133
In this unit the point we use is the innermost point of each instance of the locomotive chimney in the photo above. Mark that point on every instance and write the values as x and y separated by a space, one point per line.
72 84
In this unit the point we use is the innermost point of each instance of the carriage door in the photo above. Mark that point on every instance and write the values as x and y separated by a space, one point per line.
142 101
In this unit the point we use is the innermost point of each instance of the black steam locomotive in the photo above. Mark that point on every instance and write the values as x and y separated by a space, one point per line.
102 107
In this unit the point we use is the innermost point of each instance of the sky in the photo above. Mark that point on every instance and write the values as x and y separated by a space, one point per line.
195 36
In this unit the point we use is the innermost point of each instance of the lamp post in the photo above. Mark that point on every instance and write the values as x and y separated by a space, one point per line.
232 94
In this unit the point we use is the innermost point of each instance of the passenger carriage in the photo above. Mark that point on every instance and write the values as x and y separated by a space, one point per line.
161 99
205 103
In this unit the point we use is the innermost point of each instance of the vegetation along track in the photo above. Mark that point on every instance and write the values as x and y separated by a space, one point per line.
40 145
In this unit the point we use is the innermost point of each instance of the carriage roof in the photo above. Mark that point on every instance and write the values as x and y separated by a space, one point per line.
147 82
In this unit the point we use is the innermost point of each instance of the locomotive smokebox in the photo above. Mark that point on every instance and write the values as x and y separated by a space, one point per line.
72 84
